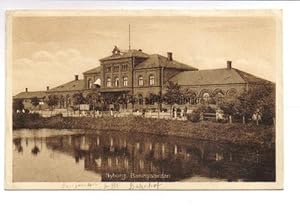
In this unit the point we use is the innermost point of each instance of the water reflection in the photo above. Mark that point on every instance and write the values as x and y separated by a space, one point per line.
118 156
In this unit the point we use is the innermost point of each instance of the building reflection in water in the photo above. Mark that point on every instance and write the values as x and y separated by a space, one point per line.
153 158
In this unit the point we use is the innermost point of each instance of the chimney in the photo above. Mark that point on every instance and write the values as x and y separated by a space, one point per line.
47 88
170 56
26 90
229 65
76 77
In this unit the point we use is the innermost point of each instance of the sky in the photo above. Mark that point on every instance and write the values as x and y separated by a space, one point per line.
50 50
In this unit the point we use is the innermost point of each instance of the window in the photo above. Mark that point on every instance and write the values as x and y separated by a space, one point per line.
124 67
117 82
206 96
219 97
231 92
125 81
141 81
89 83
108 82
116 68
108 69
151 80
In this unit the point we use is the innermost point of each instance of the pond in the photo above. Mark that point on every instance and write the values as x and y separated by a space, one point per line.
48 155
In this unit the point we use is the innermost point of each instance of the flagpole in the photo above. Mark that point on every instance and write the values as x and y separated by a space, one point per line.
129 37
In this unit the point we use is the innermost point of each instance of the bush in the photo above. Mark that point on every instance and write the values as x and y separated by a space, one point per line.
193 117
21 119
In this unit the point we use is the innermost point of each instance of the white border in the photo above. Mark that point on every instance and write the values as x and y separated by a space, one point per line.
179 200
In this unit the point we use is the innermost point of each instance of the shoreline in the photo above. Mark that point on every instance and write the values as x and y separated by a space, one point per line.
244 134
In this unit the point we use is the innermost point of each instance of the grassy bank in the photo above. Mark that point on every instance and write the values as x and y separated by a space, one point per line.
234 133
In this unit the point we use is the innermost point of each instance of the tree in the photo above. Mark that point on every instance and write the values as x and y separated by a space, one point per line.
229 106
172 95
189 96
18 104
93 98
258 97
267 104
78 98
35 101
53 101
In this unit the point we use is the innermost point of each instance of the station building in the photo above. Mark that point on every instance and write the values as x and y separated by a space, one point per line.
134 72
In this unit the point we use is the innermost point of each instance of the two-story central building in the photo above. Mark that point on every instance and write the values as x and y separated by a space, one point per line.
133 72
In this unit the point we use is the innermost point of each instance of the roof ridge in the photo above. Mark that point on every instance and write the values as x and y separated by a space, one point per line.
243 73
66 83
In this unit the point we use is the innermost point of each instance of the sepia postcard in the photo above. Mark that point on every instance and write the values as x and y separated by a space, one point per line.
144 100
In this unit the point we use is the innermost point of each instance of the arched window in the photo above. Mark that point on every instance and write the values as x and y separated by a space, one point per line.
89 83
125 81
232 92
151 80
108 82
141 81
117 82
206 96
219 97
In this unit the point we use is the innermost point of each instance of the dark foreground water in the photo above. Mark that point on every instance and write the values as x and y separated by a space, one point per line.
46 155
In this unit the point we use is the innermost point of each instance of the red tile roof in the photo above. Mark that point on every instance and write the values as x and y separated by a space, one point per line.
31 94
215 76
251 78
69 86
94 70
157 60
126 54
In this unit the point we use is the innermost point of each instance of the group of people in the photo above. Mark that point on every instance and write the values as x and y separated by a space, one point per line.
257 116
177 112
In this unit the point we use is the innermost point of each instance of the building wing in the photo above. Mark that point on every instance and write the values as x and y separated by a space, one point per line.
216 77
249 78
31 94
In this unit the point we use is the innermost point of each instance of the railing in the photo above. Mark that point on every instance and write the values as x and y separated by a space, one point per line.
65 113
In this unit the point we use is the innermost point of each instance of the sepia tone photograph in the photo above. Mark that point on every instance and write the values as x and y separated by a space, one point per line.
144 100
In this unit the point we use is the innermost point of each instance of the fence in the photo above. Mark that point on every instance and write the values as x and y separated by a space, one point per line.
66 113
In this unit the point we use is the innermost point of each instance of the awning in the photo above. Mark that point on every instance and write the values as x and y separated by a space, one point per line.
97 82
